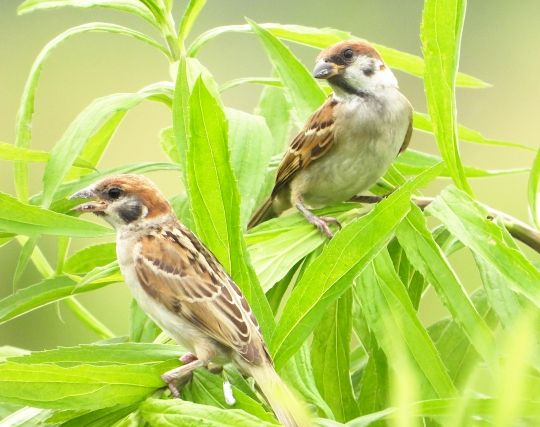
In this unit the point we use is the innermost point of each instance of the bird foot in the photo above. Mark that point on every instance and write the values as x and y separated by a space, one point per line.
188 358
321 222
178 377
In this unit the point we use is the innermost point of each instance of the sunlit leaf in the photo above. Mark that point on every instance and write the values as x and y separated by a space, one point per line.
442 23
426 256
324 37
41 294
171 413
29 220
385 303
469 222
534 191
214 196
250 144
330 355
131 6
341 261
306 95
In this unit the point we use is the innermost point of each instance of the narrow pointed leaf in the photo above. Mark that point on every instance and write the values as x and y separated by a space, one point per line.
214 196
393 320
332 273
29 220
306 94
330 356
442 24
427 257
469 222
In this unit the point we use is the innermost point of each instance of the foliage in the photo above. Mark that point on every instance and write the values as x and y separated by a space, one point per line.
348 335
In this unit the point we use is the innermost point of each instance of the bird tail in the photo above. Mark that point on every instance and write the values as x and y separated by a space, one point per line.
288 409
265 212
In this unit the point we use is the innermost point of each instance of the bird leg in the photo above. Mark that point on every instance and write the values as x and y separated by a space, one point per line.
179 376
321 222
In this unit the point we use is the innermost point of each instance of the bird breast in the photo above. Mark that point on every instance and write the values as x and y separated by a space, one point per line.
369 132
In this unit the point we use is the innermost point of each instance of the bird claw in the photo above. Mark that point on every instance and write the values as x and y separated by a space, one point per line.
321 222
188 358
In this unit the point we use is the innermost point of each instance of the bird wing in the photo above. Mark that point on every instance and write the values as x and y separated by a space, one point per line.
174 268
315 139
407 139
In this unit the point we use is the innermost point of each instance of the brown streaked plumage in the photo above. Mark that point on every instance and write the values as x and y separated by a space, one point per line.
180 284
349 142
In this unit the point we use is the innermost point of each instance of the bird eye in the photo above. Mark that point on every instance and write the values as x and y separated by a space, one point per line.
114 193
348 53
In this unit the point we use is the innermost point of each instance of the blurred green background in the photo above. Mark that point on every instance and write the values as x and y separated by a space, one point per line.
499 46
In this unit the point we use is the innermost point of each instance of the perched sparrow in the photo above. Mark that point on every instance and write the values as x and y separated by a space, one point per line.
349 142
184 289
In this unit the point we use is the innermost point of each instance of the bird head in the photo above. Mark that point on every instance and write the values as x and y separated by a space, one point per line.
123 199
353 66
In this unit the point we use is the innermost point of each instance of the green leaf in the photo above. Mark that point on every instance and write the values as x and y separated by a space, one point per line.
14 153
324 37
277 245
88 258
506 304
266 81
104 354
90 121
478 408
412 162
168 144
306 94
426 257
393 320
176 412
214 197
330 356
276 110
189 17
469 222
41 294
141 327
20 218
207 388
68 188
455 348
442 24
534 191
250 145
298 373
341 261
105 417
423 122
79 387
131 6
23 126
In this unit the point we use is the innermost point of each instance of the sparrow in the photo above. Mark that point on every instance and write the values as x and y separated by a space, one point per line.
349 142
184 289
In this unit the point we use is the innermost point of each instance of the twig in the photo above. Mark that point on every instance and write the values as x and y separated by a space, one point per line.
518 229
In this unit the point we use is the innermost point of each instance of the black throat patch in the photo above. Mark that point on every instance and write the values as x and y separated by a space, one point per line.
345 86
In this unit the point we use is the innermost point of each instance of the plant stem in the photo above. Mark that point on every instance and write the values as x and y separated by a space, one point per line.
88 318
518 229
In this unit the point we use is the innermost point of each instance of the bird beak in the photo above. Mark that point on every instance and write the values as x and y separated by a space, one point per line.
93 206
326 70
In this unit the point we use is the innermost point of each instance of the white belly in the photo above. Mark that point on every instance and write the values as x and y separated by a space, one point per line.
373 139
175 326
